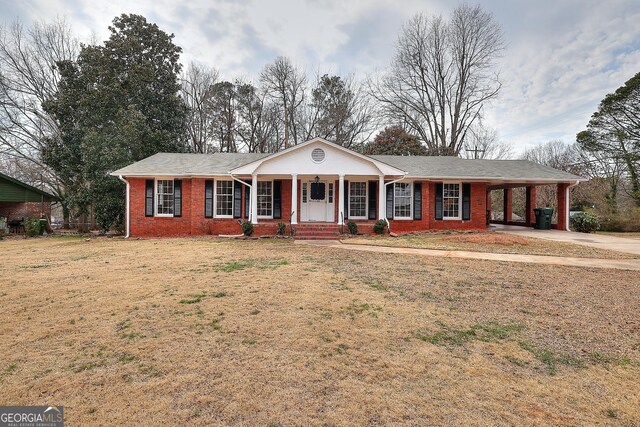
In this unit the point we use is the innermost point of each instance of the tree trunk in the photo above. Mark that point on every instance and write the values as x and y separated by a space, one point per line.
83 226
633 177
66 214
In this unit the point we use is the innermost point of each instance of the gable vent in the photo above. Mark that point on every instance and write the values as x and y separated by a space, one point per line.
317 155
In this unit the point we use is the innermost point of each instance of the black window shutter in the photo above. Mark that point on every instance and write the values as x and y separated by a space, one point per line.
277 199
177 197
390 201
439 207
208 198
417 200
373 192
247 199
466 201
346 199
148 198
237 199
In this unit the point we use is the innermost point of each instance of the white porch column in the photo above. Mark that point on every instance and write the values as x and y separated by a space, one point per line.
341 200
382 198
294 198
254 198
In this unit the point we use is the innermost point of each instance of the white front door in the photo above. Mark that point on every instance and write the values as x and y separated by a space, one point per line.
317 202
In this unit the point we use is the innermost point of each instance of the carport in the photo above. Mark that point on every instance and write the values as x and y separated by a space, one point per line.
563 198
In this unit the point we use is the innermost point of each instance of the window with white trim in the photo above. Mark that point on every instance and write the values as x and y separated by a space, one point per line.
357 199
265 198
304 192
164 197
451 201
331 192
224 198
402 200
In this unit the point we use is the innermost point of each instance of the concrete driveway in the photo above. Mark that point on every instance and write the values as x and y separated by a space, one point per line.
612 243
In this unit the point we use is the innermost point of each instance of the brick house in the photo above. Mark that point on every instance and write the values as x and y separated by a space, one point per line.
19 200
317 186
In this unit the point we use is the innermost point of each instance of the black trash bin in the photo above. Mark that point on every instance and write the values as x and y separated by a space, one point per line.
543 218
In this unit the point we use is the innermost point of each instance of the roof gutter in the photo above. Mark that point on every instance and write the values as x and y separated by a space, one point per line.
251 202
127 208
568 204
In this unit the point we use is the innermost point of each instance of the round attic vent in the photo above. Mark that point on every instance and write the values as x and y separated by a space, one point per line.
317 155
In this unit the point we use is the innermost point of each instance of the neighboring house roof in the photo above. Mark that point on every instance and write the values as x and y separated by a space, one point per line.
12 190
429 167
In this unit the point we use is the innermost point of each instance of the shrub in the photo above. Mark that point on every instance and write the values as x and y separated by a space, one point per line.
31 227
3 227
628 221
247 228
379 226
281 228
585 222
353 227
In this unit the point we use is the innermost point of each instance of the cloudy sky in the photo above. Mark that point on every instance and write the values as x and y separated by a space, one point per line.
562 56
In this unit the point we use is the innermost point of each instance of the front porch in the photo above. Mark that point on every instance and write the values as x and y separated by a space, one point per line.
300 199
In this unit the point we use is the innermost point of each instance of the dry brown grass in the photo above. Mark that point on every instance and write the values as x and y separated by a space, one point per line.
259 333
489 242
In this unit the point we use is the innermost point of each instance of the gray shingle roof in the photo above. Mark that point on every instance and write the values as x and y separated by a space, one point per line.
455 167
179 164
176 164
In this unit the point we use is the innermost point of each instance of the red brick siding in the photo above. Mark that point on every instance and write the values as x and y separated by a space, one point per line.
142 226
193 221
20 210
478 219
562 206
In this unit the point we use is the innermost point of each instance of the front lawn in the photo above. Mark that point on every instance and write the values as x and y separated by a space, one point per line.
267 333
488 242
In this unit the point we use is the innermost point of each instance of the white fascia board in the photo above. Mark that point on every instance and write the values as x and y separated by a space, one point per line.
496 178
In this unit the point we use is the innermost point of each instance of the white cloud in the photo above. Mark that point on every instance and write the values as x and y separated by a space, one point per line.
562 57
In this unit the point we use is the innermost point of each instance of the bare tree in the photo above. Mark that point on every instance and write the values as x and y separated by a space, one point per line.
442 76
225 120
257 127
558 155
340 110
555 154
483 143
286 86
196 91
28 77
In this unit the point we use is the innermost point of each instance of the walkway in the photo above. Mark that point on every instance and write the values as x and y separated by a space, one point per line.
600 241
622 264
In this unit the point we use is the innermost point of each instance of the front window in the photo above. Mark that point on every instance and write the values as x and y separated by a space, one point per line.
402 200
224 198
451 201
265 198
358 199
164 196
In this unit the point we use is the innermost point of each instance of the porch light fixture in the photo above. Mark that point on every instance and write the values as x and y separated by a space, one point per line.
316 179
